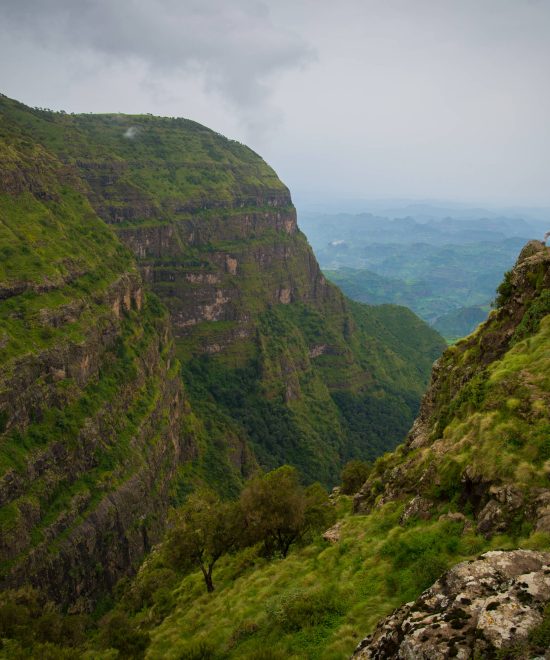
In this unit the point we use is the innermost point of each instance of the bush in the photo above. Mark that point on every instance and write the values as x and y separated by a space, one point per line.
301 609
354 474
504 290
203 530
197 651
277 511
117 632
539 637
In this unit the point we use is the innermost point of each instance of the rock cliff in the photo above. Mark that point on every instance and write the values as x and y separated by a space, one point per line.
481 437
91 401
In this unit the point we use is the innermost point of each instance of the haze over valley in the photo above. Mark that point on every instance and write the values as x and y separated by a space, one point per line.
442 261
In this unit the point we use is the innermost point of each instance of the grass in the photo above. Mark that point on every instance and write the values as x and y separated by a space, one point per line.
317 603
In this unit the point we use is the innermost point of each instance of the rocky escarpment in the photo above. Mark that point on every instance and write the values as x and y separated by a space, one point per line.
494 607
91 401
521 302
273 356
481 438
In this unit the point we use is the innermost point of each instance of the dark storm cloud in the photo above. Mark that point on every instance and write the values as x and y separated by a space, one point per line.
234 46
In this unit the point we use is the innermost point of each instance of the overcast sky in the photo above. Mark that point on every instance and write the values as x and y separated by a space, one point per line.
438 99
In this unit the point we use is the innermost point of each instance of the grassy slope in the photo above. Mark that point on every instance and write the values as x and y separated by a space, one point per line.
319 601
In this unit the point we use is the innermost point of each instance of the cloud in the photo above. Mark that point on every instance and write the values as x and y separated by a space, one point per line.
234 48
131 132
379 98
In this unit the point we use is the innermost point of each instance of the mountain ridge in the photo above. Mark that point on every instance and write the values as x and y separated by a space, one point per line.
165 324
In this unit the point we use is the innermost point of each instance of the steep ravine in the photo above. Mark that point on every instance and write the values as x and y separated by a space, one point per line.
273 356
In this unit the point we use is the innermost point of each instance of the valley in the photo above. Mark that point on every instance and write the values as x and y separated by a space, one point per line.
443 263
185 392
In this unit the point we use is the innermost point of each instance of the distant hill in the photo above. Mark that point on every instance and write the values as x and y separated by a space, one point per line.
435 265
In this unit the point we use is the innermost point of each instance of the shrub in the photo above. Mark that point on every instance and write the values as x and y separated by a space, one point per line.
278 511
203 530
504 290
117 632
197 651
300 609
354 474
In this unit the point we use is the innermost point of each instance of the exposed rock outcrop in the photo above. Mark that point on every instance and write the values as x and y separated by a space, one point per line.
457 388
478 609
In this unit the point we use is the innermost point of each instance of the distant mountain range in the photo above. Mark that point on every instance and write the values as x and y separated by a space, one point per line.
443 267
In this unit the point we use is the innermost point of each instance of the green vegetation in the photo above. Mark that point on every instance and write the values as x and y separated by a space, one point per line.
354 475
201 531
356 400
283 594
315 603
98 436
313 383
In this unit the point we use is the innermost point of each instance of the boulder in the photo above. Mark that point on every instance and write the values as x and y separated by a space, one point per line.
476 609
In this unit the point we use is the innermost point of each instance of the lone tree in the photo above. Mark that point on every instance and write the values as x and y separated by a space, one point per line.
277 511
203 530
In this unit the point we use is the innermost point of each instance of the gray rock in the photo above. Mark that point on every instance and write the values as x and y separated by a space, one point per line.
418 507
476 609
333 534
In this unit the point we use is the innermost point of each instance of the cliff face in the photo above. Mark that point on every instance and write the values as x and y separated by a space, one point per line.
481 438
273 355
96 432
91 402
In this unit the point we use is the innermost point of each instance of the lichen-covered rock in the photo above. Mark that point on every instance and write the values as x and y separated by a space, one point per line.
477 609
502 506
334 533
418 507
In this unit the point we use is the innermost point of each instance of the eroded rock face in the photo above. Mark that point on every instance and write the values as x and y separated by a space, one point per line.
414 473
477 609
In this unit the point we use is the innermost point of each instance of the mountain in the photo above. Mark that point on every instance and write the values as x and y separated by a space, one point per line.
447 553
460 322
439 266
165 325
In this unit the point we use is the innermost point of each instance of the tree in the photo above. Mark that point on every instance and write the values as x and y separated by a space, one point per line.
203 530
354 474
277 511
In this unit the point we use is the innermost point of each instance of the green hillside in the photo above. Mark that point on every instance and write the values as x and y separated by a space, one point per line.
472 477
275 361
